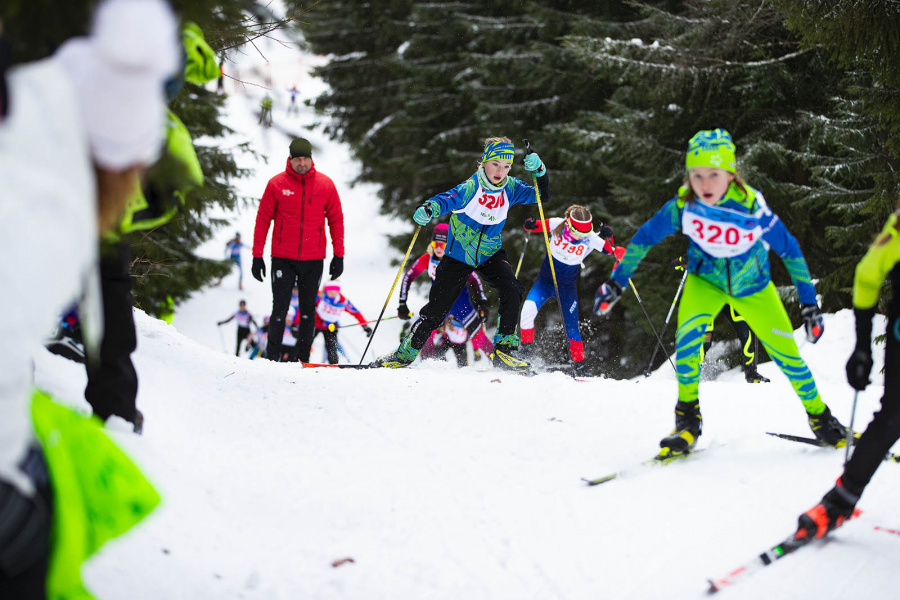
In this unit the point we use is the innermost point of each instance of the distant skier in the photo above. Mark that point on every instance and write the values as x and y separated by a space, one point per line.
839 503
572 239
265 111
470 308
730 230
330 305
480 206
233 250
293 106
258 340
244 320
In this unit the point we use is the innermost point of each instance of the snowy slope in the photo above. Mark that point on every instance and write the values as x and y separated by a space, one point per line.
442 483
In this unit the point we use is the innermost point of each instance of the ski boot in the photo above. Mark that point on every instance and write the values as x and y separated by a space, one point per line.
752 375
502 357
836 507
580 369
827 428
688 426
401 357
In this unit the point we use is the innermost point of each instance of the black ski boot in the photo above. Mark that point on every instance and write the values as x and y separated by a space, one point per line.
752 375
827 428
688 426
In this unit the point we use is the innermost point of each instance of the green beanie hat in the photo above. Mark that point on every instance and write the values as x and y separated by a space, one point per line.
301 147
712 149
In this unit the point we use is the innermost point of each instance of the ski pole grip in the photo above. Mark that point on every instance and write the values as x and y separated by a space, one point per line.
528 149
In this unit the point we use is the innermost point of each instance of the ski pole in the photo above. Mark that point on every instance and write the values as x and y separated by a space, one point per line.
522 256
666 324
366 323
391 293
646 314
850 429
537 194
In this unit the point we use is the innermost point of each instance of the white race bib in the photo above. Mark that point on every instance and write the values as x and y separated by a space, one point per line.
718 231
487 208
328 312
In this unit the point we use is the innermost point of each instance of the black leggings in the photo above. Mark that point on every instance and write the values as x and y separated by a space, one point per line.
884 430
331 345
450 279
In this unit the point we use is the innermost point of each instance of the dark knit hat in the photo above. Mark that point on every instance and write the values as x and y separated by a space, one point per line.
301 147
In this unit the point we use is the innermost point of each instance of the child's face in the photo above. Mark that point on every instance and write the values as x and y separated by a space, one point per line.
333 294
438 248
709 184
496 170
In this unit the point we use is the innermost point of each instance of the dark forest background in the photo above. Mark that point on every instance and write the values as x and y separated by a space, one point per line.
608 92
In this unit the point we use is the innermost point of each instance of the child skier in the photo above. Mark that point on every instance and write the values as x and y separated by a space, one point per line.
470 308
453 335
244 319
258 341
480 206
839 503
730 229
330 305
233 251
572 238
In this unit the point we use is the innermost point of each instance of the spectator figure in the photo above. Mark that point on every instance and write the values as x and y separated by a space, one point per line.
300 200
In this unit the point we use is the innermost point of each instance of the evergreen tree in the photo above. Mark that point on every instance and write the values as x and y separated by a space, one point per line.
165 261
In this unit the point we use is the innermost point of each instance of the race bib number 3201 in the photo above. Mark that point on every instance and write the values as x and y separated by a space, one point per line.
721 237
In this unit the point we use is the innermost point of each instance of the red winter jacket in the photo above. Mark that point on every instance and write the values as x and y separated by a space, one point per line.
299 204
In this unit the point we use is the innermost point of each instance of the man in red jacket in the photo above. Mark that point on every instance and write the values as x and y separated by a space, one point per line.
299 200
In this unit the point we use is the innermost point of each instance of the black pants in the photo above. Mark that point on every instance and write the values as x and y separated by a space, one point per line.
25 524
112 382
884 430
331 345
306 275
242 334
451 277
744 334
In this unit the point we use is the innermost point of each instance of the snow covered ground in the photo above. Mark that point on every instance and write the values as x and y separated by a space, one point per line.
439 483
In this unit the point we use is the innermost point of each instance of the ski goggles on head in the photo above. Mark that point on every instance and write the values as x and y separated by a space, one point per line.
439 245
572 229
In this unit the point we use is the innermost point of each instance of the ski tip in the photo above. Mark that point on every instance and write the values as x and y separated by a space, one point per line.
599 480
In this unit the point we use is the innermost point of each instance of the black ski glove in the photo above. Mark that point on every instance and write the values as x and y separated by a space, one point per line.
605 232
258 270
860 364
337 267
530 224
368 330
403 311
678 264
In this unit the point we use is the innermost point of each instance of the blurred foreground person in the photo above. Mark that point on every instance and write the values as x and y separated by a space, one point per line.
77 129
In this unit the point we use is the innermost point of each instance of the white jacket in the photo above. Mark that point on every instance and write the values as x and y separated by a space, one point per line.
48 234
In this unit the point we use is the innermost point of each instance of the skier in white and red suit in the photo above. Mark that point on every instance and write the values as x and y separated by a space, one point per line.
330 305
572 239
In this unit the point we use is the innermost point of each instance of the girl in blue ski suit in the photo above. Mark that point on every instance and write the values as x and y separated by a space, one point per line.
480 206
730 229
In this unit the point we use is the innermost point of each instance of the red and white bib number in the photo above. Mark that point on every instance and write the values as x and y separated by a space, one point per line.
718 238
328 312
487 208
